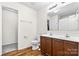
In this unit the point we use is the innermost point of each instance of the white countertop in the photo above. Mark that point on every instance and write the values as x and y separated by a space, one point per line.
62 37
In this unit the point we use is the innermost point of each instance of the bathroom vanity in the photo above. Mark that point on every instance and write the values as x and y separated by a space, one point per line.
57 45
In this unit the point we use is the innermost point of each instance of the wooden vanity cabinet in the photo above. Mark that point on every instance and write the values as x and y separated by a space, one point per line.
46 46
58 47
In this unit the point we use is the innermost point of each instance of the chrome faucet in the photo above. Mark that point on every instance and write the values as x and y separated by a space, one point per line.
67 35
50 33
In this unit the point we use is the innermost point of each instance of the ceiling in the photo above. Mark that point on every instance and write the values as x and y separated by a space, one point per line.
66 10
36 5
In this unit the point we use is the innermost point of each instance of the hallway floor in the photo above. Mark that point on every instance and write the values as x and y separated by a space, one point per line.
24 52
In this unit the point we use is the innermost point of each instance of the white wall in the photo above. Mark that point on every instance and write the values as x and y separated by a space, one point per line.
42 21
26 24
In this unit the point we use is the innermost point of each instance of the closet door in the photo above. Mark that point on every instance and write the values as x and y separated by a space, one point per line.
10 26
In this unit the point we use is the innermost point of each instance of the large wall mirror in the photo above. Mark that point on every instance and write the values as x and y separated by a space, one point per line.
64 18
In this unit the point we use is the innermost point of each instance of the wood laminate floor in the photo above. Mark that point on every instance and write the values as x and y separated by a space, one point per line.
24 52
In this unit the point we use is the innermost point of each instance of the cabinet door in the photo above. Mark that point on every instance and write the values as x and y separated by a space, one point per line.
70 48
42 45
57 49
48 46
